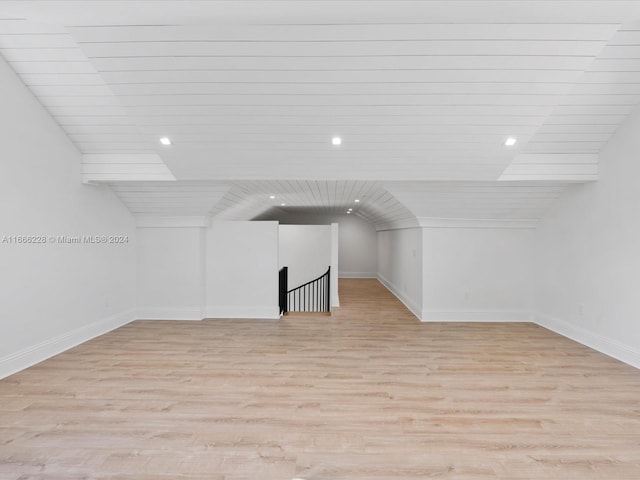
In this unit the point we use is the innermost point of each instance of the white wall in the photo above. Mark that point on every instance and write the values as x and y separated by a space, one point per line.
358 247
400 265
227 270
477 274
335 264
171 273
306 250
54 296
587 255
358 240
242 270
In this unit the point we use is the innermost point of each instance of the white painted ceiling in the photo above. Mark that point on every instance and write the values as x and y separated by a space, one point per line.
423 93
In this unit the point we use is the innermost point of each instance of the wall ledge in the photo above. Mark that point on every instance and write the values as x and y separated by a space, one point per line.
476 223
398 225
34 354
434 222
162 221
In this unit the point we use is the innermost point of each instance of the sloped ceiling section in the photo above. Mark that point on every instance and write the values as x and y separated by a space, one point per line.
114 167
423 95
502 201
369 200
170 198
317 95
567 145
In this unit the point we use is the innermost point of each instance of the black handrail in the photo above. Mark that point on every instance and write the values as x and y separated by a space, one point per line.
313 296
283 284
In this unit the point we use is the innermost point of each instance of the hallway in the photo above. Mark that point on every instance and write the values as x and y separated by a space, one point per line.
368 393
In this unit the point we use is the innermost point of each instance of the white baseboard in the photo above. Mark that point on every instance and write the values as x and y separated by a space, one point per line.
271 313
602 344
151 313
476 316
29 356
409 303
358 275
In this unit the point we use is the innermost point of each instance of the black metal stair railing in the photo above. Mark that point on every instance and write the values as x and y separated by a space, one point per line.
283 282
313 296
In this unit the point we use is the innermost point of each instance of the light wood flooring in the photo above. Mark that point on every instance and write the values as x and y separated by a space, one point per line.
368 393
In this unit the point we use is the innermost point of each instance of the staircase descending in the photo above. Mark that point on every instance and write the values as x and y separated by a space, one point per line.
313 296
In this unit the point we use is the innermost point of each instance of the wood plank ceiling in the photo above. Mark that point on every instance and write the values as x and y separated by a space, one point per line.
423 95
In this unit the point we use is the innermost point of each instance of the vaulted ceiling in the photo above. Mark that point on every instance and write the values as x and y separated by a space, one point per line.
422 93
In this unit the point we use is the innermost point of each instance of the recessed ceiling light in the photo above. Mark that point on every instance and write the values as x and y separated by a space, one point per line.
510 142
272 197
357 200
336 141
348 212
165 141
282 204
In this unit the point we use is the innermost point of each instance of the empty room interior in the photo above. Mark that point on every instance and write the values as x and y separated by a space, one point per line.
318 240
